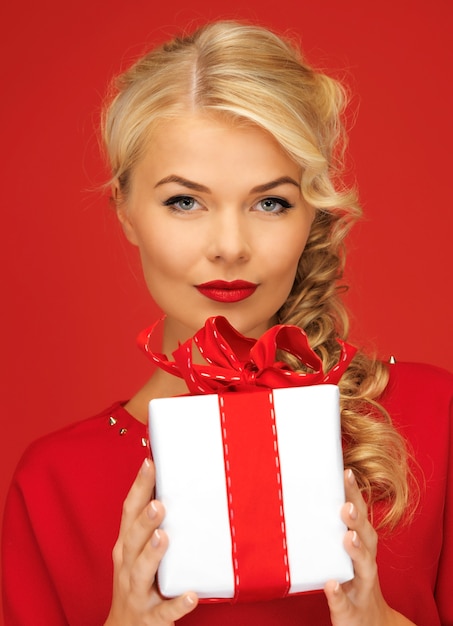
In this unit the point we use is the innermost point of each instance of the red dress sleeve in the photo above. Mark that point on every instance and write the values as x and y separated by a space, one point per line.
62 518
444 584
29 594
416 560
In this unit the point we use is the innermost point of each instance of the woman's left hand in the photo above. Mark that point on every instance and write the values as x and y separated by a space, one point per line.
360 601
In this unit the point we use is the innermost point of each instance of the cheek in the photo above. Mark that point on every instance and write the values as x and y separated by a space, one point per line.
165 258
156 255
287 256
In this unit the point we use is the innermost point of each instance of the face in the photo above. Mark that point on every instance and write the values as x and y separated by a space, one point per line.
218 216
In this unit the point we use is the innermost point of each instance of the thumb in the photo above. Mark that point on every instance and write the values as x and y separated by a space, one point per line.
338 601
169 611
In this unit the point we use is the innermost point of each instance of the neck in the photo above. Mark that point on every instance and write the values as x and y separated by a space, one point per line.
160 385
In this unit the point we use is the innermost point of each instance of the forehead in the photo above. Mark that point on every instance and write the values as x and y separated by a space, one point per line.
199 144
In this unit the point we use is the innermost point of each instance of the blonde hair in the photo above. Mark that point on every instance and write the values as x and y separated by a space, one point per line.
247 73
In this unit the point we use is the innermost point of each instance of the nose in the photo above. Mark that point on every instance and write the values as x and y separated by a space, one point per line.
229 238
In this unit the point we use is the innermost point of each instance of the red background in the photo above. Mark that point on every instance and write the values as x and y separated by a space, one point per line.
73 296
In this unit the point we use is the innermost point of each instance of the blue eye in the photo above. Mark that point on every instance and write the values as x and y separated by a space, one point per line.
273 205
181 203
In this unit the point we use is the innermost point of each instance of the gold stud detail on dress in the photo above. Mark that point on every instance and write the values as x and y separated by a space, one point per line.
392 360
144 442
123 431
112 420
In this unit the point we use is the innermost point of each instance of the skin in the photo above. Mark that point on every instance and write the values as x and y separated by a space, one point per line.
220 227
227 234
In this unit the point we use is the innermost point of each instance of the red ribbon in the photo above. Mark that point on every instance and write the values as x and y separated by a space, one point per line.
255 496
238 363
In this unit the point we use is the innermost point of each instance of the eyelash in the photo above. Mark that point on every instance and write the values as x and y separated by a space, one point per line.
284 204
171 202
174 200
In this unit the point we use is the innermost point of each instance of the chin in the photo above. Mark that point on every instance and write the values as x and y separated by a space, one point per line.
179 329
250 327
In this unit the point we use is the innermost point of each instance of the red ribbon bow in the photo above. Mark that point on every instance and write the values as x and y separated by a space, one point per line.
238 363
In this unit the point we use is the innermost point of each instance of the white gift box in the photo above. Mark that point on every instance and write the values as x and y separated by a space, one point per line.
191 455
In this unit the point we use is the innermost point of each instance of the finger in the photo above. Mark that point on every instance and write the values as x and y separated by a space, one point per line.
172 610
364 562
355 513
352 492
360 523
144 568
340 605
142 534
136 500
139 495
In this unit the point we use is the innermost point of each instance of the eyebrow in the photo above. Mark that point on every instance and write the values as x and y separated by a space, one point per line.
182 181
283 180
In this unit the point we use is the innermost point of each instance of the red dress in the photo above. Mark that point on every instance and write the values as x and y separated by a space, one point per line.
64 507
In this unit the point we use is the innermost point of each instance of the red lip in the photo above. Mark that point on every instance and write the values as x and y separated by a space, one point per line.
223 291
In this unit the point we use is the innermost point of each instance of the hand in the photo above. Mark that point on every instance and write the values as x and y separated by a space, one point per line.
140 546
360 601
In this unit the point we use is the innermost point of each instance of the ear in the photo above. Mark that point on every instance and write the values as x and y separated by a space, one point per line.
123 214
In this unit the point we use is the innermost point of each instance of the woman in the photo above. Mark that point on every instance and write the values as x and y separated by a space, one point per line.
225 149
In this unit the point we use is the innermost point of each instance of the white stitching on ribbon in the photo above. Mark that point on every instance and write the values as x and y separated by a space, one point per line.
230 495
280 494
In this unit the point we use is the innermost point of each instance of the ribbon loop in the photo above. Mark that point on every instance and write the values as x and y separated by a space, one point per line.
238 363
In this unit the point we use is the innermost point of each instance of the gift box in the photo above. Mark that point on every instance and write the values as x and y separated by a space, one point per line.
251 477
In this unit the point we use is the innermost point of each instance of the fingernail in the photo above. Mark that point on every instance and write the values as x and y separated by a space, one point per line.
189 601
355 540
337 588
155 539
146 465
152 510
351 477
352 511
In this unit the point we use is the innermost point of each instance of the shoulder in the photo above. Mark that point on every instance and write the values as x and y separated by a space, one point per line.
428 374
86 432
419 399
418 384
82 446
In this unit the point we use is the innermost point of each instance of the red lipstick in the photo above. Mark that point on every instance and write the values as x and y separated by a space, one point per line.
223 291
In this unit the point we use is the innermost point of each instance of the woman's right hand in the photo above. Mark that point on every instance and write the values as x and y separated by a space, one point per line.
140 546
